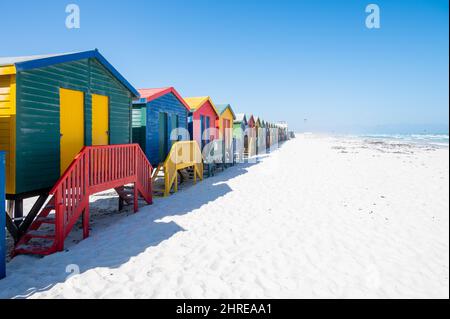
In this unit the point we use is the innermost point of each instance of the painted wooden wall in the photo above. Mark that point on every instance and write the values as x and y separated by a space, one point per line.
37 122
251 122
139 124
169 104
206 110
239 130
226 116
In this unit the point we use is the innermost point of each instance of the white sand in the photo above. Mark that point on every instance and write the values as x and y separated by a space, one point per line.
320 217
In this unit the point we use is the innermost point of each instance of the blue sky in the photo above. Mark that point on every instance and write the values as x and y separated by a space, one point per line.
280 59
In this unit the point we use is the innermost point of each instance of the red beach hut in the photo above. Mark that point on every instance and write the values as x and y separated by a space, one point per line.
203 120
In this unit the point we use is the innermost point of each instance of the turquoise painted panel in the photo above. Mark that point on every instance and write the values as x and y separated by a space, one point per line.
138 123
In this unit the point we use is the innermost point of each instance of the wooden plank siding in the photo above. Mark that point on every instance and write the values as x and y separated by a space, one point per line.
169 104
38 124
139 124
206 110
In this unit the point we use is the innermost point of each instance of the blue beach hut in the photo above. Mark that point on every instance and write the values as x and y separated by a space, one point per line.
159 119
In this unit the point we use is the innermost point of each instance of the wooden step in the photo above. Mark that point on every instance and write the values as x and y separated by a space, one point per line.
47 234
46 220
35 248
127 191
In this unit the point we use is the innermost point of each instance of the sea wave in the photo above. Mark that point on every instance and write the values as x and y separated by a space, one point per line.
440 140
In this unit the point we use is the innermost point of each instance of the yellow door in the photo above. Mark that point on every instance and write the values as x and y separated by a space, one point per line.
71 125
100 120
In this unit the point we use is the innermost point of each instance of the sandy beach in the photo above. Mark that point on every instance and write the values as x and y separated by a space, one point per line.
321 217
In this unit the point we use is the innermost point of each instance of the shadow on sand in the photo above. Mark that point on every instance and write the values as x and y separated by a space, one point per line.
115 236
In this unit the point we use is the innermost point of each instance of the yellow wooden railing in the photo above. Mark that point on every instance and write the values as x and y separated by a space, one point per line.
252 147
182 155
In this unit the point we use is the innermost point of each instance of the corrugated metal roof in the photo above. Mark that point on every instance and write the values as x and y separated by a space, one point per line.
148 95
37 61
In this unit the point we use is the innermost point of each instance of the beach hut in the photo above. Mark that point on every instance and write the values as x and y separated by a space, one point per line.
203 120
263 135
240 123
282 131
2 217
266 131
250 145
159 119
241 139
257 134
257 122
203 127
251 121
51 107
267 134
226 122
274 134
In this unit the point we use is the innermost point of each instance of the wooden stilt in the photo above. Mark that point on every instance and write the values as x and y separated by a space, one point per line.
10 208
176 183
18 211
23 227
135 198
12 228
120 203
86 222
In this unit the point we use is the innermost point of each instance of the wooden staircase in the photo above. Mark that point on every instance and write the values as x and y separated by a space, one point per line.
213 158
126 196
184 156
94 169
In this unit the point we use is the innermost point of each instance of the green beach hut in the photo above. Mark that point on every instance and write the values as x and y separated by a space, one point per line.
50 107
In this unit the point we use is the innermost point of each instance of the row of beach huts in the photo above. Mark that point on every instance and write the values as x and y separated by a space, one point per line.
71 126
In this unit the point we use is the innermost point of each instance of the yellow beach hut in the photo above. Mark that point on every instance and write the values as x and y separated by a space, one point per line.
226 120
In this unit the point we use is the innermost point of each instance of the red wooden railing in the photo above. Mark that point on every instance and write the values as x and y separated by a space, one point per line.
94 169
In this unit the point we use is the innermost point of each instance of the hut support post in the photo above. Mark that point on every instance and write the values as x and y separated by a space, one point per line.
16 224
121 203
86 222
23 227
12 229
15 210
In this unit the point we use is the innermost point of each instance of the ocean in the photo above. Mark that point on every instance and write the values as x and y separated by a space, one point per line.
438 140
